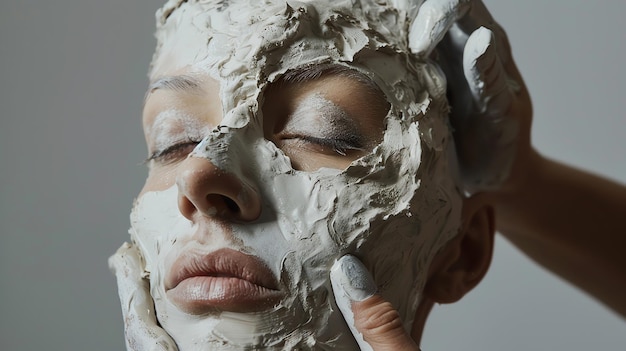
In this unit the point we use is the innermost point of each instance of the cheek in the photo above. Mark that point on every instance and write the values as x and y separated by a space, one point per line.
160 178
156 225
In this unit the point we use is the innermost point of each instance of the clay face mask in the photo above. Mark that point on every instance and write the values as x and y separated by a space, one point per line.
394 207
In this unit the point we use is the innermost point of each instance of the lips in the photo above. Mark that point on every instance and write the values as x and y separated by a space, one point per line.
224 280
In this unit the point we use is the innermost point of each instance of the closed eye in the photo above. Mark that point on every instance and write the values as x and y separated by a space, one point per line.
339 146
174 152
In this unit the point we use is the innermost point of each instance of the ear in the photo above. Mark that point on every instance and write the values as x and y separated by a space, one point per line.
464 261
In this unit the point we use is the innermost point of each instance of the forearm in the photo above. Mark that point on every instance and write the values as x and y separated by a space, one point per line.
574 224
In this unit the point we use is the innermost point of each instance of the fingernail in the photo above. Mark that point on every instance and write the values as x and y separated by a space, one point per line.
350 275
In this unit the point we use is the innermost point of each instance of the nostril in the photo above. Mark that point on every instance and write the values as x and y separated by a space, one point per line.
232 205
205 190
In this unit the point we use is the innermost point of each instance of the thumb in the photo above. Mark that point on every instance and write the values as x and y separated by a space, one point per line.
374 322
141 328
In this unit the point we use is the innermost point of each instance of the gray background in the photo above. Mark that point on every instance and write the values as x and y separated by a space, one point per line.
73 78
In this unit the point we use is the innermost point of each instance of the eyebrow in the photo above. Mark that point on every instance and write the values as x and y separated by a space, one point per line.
181 83
313 72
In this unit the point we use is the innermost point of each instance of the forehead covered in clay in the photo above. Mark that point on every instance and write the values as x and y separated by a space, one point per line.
247 44
264 26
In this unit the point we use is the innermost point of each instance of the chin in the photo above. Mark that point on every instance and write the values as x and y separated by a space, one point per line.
276 328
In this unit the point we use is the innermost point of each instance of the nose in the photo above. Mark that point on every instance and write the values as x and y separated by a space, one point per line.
206 190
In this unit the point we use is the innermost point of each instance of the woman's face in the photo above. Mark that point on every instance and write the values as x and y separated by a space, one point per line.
265 170
225 239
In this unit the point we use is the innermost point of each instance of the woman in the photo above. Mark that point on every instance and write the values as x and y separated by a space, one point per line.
284 137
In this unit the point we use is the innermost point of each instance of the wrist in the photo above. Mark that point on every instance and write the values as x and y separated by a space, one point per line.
529 168
514 202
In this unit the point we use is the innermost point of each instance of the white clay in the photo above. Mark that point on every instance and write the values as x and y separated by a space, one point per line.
394 208
351 282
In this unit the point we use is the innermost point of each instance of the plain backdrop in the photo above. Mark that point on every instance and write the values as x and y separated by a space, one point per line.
73 75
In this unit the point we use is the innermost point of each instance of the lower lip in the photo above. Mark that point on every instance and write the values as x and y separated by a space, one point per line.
203 294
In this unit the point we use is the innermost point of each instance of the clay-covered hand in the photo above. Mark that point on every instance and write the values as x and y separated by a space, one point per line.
374 323
140 324
491 110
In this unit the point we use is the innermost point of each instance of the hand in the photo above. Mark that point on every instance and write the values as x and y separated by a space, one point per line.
374 323
140 324
491 108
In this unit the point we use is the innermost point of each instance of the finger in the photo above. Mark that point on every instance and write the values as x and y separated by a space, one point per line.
495 127
479 16
486 76
433 20
140 324
374 323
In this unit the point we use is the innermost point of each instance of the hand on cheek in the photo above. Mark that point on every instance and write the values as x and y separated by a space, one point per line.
374 322
140 324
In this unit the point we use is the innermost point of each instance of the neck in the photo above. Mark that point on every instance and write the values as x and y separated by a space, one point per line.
420 319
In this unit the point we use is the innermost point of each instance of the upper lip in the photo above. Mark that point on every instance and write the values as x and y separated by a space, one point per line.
221 263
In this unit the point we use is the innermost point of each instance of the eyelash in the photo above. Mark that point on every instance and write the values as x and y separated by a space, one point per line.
173 152
340 146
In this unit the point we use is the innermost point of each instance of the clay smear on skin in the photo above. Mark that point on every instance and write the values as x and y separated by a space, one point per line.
174 126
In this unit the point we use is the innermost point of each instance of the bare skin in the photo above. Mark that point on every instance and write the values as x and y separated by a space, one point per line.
571 222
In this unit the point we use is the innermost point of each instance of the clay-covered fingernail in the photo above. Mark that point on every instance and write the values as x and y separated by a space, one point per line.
351 276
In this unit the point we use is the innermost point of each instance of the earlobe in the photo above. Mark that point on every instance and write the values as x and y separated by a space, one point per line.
464 261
